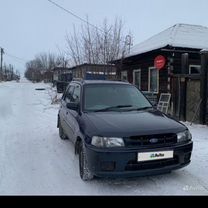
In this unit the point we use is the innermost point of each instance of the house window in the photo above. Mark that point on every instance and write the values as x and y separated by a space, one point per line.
194 69
124 76
137 78
153 80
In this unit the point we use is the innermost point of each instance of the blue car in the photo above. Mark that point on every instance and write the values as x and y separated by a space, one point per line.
118 133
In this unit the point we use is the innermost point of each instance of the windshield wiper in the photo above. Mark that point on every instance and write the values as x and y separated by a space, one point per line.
140 109
144 108
113 107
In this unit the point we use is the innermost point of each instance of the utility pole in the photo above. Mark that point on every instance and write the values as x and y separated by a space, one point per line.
1 69
2 52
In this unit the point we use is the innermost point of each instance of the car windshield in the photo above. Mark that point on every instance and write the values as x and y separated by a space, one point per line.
114 97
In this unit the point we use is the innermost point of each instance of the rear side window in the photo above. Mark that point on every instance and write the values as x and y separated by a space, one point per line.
68 96
76 94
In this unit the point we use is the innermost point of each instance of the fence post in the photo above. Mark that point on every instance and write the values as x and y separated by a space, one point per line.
182 114
185 63
203 87
184 72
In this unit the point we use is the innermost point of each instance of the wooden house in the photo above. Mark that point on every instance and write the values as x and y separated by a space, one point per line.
94 71
58 71
170 62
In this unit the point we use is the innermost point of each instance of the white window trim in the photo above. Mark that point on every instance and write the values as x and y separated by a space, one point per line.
126 72
158 75
193 65
134 71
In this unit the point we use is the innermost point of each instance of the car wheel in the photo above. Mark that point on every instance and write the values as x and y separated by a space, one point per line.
84 171
61 132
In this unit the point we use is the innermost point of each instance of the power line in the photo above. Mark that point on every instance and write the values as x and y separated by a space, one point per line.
76 16
12 56
15 57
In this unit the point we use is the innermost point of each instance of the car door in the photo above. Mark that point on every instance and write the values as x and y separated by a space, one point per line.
72 115
66 120
62 110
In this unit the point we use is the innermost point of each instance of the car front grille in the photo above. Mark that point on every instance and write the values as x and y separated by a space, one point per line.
151 140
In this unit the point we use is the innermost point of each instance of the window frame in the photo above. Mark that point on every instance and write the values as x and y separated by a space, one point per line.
140 78
122 73
149 81
194 65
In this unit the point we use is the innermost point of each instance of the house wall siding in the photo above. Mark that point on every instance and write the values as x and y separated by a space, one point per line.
80 71
144 63
170 77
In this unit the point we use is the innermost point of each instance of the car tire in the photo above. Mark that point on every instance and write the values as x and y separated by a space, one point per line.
62 135
84 171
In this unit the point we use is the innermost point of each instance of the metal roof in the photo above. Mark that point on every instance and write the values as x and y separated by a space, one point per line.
179 35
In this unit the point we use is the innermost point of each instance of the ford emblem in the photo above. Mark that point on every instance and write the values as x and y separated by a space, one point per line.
154 140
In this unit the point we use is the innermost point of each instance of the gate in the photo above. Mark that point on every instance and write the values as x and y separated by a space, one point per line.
186 100
175 96
193 100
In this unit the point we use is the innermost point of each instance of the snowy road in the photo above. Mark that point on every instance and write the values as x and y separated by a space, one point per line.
34 161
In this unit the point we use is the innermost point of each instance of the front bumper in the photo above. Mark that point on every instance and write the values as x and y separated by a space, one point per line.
123 162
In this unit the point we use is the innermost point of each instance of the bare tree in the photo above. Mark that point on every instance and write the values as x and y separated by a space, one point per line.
96 45
74 46
61 59
41 63
9 74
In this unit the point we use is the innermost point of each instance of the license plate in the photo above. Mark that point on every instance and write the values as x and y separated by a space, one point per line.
149 156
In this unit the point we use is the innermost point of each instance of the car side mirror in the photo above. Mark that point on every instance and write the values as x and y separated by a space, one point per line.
154 105
73 106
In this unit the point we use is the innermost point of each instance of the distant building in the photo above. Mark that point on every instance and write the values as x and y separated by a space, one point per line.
58 71
94 71
169 62
48 76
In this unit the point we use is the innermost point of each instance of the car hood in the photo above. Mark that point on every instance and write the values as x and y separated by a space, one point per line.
124 124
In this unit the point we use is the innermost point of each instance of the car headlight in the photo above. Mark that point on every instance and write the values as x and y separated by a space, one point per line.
184 136
107 141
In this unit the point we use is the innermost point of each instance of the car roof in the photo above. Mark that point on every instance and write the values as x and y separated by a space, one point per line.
83 82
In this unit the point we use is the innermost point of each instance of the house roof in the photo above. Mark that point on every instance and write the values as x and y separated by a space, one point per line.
179 35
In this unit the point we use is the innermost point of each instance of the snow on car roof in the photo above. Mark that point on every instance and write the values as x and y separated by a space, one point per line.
179 35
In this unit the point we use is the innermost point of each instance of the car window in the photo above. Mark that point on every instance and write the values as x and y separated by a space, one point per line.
76 94
64 93
68 96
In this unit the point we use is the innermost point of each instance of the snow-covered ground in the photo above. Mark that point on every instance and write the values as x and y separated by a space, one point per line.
34 161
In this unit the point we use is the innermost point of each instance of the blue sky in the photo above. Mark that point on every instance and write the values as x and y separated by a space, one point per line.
28 27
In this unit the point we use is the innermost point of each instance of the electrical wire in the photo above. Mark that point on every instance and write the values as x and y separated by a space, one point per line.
15 57
73 14
12 56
